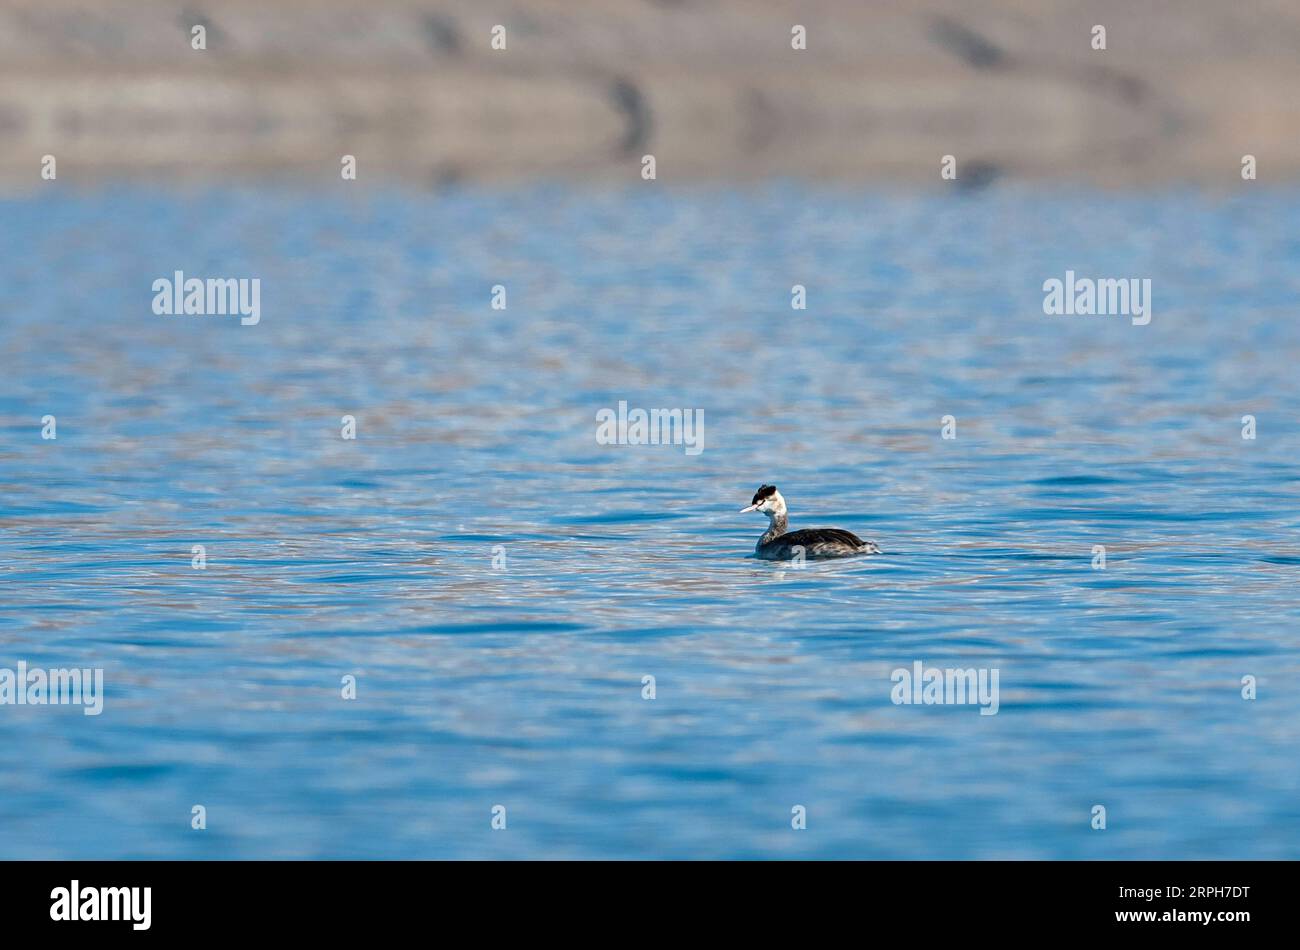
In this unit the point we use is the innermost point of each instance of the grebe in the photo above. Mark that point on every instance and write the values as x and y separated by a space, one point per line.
777 545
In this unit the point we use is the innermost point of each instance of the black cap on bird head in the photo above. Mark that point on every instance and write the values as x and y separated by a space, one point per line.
762 495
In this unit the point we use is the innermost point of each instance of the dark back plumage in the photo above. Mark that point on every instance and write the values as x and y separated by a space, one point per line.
807 536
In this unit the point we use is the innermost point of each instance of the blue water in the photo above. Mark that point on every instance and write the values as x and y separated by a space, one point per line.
522 686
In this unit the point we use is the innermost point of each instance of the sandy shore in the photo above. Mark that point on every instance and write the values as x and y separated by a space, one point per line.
585 88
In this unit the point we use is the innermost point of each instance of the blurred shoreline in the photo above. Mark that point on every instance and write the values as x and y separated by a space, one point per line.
1013 90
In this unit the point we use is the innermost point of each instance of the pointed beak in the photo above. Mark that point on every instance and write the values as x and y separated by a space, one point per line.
750 508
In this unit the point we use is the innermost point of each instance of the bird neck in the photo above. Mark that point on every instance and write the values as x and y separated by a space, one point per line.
776 526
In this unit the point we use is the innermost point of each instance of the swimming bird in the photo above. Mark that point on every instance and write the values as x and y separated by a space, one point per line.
778 545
